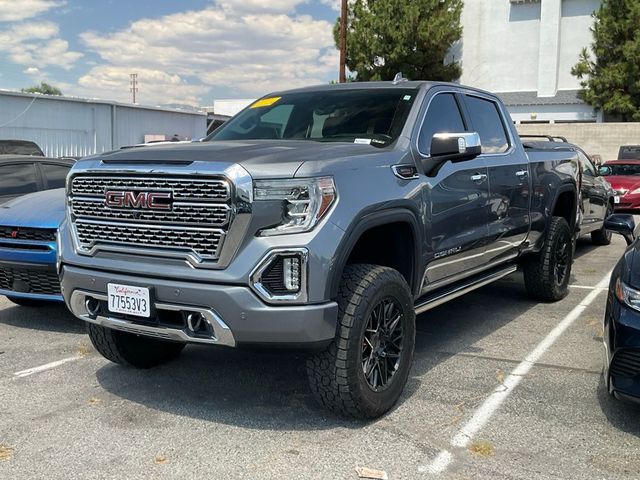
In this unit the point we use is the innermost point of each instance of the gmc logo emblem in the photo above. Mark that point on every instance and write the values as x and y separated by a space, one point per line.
141 200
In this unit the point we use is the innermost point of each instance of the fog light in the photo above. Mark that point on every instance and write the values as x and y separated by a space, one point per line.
291 273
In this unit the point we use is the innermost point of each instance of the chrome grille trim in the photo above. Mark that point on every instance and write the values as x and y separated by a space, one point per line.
186 188
194 228
204 242
182 213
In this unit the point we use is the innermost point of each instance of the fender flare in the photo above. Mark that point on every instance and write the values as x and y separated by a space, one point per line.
562 189
365 223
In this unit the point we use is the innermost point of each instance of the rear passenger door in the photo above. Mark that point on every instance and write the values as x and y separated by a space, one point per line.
455 199
509 178
17 179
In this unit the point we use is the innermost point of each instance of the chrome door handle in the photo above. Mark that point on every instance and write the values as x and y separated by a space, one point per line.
522 173
478 177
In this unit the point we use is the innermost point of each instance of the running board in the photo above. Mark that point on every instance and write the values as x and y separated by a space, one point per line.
434 299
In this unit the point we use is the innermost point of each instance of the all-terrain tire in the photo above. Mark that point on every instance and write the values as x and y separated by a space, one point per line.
337 374
602 236
541 272
132 350
29 302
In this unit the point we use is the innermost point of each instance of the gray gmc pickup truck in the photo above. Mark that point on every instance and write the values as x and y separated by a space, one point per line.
323 218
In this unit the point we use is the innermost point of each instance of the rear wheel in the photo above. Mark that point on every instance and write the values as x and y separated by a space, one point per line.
363 372
546 276
28 302
132 350
602 236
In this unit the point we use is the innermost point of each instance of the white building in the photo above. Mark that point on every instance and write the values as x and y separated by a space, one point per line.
524 51
69 126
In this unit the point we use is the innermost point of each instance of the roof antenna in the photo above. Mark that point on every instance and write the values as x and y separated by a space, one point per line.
399 78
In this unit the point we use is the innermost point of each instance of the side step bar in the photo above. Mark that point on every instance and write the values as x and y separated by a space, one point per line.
432 300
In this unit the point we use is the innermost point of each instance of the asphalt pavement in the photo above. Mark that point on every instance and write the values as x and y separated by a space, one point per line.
501 387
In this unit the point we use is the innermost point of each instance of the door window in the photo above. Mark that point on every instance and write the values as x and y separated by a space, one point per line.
587 166
55 175
18 179
487 121
443 116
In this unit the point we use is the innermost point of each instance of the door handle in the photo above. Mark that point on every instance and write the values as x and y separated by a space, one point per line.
478 177
522 173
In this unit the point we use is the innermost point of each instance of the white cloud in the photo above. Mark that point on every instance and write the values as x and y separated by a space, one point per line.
37 43
17 10
33 72
335 4
155 86
247 52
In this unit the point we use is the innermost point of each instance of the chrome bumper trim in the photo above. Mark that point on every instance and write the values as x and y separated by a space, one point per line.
222 334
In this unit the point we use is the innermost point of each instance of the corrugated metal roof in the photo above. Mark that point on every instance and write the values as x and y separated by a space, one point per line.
562 97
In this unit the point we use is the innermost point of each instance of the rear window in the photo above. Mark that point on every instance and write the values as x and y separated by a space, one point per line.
370 116
17 179
20 147
629 152
487 121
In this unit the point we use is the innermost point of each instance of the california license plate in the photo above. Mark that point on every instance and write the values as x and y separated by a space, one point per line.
616 199
129 300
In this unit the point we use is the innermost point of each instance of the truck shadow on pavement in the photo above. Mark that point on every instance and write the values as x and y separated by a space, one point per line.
51 318
265 389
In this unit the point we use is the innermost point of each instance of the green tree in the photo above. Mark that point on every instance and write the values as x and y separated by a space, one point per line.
45 88
385 37
610 76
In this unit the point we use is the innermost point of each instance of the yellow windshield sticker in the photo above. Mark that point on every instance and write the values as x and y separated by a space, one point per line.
265 102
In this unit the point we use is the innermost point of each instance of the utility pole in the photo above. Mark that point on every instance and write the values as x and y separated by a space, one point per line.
343 41
134 85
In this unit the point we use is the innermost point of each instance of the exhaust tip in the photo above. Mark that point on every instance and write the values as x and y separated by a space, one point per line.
92 306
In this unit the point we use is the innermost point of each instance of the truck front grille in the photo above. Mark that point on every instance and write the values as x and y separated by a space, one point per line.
26 280
25 233
194 223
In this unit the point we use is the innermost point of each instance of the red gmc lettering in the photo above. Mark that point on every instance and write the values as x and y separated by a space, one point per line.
146 200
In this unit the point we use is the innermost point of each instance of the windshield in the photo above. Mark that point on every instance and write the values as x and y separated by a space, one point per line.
371 116
13 147
623 169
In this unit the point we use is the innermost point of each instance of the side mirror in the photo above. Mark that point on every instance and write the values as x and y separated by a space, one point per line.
604 171
622 224
456 147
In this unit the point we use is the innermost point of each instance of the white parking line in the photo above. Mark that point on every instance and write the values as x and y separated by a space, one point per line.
47 366
499 395
585 287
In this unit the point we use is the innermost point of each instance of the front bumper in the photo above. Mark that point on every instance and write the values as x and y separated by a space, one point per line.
31 281
622 348
628 202
236 315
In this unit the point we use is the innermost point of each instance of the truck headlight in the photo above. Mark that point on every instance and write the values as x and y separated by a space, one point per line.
627 295
306 200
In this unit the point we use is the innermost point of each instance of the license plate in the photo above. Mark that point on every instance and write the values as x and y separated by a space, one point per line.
616 199
128 300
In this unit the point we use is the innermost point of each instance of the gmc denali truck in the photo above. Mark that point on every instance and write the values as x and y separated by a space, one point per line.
324 217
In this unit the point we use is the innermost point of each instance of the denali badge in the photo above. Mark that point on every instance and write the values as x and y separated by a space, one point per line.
143 200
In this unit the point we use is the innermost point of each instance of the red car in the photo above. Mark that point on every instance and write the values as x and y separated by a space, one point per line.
624 177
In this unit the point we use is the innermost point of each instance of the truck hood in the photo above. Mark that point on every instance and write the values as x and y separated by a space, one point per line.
37 210
261 158
619 182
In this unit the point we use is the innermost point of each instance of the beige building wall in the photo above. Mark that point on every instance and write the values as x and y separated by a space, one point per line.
602 139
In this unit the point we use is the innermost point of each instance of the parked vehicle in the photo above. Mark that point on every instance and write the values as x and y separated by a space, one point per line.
28 227
629 152
20 147
597 197
624 177
622 315
22 174
326 218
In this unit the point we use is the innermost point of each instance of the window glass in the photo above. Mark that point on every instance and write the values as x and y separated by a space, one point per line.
487 121
55 174
443 116
368 116
17 179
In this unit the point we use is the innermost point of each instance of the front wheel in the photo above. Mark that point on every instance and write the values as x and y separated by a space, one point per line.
547 275
364 370
130 349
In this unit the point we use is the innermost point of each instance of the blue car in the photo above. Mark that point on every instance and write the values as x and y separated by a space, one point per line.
28 228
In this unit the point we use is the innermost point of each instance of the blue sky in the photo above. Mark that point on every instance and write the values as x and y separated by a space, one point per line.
184 51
